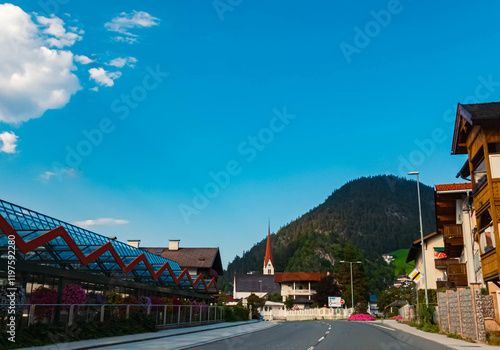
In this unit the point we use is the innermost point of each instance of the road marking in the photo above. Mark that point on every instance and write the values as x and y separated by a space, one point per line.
327 332
320 339
311 348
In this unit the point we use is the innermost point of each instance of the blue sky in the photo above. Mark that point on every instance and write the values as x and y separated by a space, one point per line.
282 103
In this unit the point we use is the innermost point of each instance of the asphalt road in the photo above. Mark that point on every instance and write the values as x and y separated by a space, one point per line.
322 335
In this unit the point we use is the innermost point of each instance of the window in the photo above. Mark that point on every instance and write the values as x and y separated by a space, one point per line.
479 173
487 240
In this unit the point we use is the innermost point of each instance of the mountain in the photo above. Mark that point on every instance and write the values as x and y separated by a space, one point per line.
376 215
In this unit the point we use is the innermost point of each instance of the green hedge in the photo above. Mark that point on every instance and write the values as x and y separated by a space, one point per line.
235 313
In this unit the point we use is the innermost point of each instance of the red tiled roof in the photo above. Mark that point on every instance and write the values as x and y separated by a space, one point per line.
298 276
454 187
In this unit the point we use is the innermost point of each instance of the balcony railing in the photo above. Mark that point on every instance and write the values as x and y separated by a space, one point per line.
443 263
453 240
457 274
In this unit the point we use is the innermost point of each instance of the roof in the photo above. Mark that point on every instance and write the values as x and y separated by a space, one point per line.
250 283
269 256
453 187
397 303
416 247
281 277
472 114
483 111
191 257
43 240
373 298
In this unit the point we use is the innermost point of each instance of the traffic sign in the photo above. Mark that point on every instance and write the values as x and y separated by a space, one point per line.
342 301
415 275
296 307
334 302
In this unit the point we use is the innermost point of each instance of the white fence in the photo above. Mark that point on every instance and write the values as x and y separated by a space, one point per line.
277 314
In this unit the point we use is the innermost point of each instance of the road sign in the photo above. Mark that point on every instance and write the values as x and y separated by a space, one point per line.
296 307
415 275
334 302
342 301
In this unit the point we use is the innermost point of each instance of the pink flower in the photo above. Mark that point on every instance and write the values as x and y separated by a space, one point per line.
361 317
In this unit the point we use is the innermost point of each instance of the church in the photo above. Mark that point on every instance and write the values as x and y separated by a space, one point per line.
299 285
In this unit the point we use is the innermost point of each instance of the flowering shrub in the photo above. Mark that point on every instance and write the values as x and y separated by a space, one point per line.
114 298
145 301
131 300
43 295
396 318
361 317
96 298
74 294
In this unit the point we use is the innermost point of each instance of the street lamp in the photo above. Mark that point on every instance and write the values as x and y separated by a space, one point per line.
421 235
352 288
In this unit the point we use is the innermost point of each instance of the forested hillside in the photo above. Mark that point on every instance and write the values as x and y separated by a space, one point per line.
375 215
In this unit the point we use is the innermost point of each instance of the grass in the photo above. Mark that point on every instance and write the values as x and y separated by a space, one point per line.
493 338
400 261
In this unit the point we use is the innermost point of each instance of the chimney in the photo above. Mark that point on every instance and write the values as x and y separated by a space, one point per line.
173 244
134 242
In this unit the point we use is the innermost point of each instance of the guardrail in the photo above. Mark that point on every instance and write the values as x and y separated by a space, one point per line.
164 315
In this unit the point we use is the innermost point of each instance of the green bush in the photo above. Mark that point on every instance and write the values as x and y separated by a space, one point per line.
427 327
235 313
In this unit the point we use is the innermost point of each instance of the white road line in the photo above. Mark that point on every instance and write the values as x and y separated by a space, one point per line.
327 332
311 348
320 339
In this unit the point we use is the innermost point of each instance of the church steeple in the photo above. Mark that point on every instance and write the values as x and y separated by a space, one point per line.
268 259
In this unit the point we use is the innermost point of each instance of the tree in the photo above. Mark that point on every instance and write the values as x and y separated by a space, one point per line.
327 287
276 297
254 303
289 302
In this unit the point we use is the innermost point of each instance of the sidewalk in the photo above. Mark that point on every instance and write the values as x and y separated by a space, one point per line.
179 338
438 338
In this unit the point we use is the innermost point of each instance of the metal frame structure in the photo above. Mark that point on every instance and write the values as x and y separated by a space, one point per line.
43 240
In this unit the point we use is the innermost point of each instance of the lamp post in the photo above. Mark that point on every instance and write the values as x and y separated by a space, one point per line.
421 235
352 287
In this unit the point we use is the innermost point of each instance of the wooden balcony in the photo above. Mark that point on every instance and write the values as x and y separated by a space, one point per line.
453 240
443 263
444 284
457 274
489 265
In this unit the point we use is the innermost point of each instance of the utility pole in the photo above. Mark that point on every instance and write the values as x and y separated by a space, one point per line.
352 286
421 235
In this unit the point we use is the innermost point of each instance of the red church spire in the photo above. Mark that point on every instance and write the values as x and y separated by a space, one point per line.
269 255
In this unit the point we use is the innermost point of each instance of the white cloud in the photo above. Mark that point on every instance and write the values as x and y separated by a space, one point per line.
33 77
47 175
122 61
124 22
128 39
83 59
95 88
103 77
101 221
9 140
59 172
57 34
